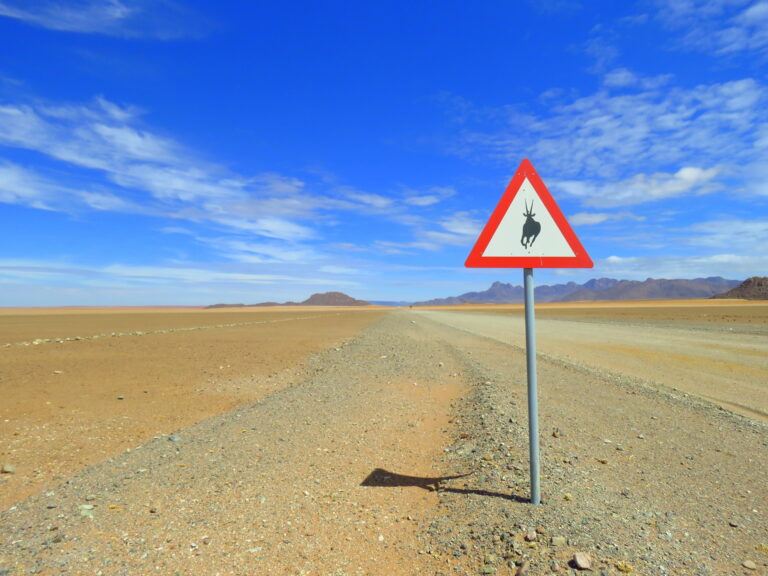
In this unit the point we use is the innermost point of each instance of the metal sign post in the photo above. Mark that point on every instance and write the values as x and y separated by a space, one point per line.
527 230
533 392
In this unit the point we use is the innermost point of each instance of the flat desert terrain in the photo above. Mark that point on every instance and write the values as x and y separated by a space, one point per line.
376 441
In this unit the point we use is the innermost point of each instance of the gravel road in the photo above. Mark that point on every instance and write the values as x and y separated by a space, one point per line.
334 473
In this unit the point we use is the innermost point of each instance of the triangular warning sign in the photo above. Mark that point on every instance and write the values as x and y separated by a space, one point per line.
527 230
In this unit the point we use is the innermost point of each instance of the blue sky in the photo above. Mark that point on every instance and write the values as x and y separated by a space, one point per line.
169 152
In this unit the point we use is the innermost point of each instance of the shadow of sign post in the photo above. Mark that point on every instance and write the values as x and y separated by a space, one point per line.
381 478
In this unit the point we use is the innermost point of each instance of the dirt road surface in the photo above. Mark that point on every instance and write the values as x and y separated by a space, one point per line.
724 362
331 468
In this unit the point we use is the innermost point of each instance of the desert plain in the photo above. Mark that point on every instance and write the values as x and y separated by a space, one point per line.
341 441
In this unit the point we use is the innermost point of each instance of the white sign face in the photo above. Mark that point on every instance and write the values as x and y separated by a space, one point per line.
528 230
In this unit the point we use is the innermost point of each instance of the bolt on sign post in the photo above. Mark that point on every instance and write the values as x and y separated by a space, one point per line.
527 230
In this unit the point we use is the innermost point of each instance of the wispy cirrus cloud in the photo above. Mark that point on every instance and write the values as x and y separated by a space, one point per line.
164 20
607 134
22 186
724 27
44 270
108 141
106 158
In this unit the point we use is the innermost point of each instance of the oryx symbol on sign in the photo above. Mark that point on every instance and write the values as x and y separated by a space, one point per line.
531 228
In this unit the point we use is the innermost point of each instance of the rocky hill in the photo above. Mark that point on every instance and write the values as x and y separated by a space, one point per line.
332 299
755 288
319 299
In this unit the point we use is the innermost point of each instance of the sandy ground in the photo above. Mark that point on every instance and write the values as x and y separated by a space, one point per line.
69 404
348 420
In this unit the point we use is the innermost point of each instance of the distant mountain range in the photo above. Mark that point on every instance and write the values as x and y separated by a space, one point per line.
321 299
597 289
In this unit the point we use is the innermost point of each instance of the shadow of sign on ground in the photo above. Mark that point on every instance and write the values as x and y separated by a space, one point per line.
381 478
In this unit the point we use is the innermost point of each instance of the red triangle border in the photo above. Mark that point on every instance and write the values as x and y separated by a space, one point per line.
476 259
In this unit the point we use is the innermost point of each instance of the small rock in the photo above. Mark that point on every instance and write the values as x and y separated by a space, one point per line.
624 567
522 570
749 565
567 496
733 524
530 536
8 469
556 433
582 561
174 438
90 498
121 397
558 541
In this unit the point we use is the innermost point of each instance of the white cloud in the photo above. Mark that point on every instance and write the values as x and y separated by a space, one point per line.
726 264
20 186
269 227
430 196
106 202
159 274
375 201
90 16
243 250
720 26
137 18
623 148
104 138
457 229
462 224
176 230
734 234
641 188
339 270
32 282
592 218
129 167
624 78
728 247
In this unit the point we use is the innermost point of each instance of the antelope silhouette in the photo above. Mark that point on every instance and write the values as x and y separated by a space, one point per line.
531 228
